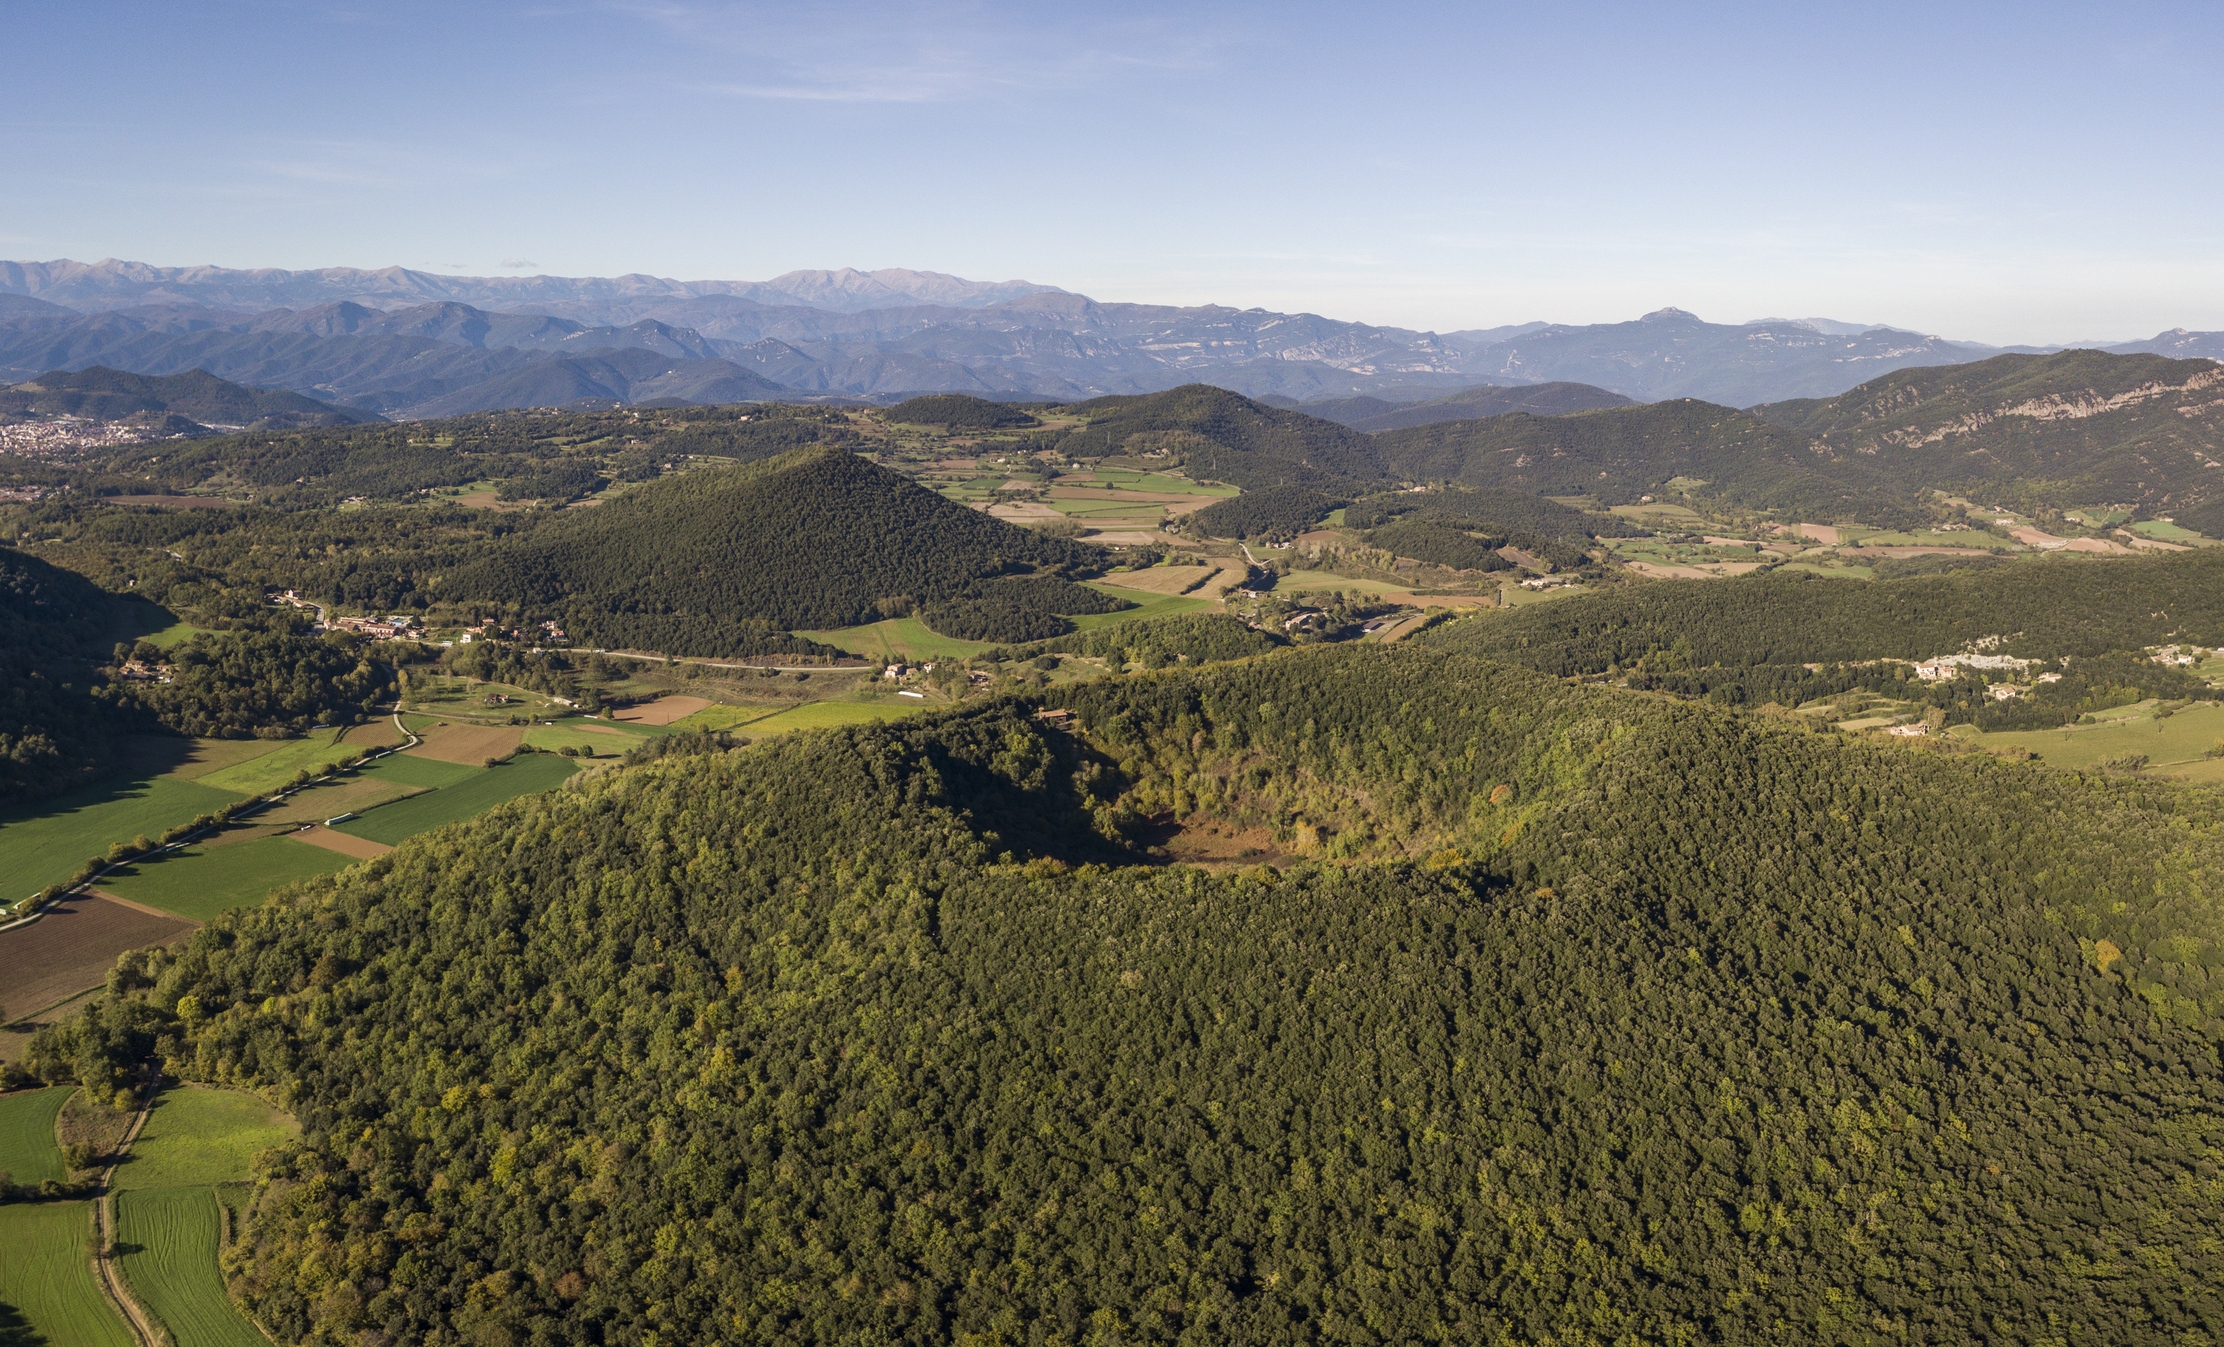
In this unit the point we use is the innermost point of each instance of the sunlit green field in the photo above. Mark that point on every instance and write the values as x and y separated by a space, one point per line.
48 1293
896 638
27 1149
199 882
485 788
168 1240
42 847
2178 740
197 1135
267 772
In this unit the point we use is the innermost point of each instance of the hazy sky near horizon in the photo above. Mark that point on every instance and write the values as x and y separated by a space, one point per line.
2001 172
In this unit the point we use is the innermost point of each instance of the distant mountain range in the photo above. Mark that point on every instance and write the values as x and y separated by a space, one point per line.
411 344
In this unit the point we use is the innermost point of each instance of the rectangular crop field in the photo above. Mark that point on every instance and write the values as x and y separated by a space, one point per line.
407 769
170 1238
261 775
199 882
201 1135
609 740
1146 606
46 847
47 1278
72 946
466 745
486 788
27 1149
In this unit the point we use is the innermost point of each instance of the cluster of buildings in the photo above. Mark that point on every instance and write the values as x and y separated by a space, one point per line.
377 628
64 439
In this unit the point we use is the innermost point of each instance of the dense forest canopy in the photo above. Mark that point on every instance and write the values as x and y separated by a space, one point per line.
960 412
2041 607
1226 437
811 539
53 734
1620 455
1568 1014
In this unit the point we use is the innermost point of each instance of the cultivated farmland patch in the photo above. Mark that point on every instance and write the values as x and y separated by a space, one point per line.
46 1279
72 947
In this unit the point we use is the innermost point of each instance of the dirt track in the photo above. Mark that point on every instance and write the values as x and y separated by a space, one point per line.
73 946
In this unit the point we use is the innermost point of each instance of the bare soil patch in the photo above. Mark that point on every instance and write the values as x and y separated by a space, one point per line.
470 745
1210 847
1163 579
1821 533
1019 511
72 947
362 848
1126 538
662 711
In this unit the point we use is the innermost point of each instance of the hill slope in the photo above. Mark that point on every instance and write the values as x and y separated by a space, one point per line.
1622 454
809 539
773 1044
2042 607
104 394
2075 428
1224 436
1372 414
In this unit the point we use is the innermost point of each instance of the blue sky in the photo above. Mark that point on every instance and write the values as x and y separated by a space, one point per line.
2034 172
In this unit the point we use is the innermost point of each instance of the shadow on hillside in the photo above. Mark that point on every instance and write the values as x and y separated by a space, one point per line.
131 773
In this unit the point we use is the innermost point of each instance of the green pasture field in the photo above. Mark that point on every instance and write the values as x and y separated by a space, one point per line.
169 1239
527 774
570 735
1514 596
198 1135
174 635
199 882
1926 538
1147 606
45 846
27 1149
2175 741
2096 518
1127 480
2166 533
266 772
1655 511
423 773
897 638
48 1293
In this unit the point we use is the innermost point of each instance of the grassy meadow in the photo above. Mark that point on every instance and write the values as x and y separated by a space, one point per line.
168 1239
49 1295
201 881
27 1150
197 1135
474 794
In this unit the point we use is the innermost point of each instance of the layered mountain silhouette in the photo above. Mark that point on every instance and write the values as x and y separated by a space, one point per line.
408 343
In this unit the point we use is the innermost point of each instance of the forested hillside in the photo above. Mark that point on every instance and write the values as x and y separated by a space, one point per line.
2044 607
53 734
1372 414
103 394
1620 1019
1620 455
810 539
1226 437
2076 428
